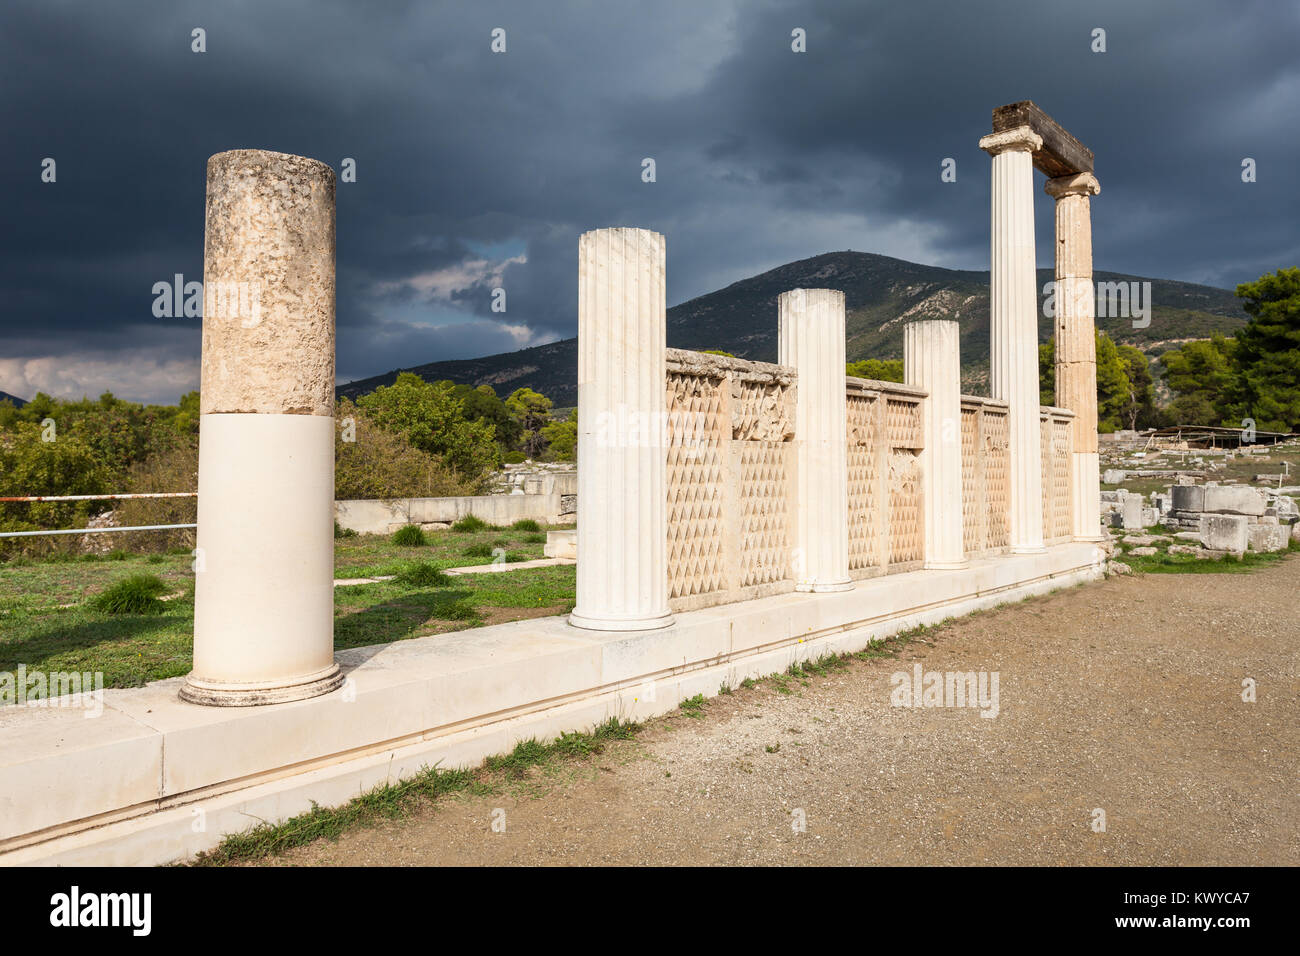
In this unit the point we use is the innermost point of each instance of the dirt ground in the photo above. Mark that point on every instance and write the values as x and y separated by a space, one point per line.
1124 696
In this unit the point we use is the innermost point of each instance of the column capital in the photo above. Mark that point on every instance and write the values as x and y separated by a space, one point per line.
1021 138
1077 184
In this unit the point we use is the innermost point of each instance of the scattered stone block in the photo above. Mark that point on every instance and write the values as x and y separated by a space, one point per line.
1113 476
1185 549
1118 567
1224 533
1133 512
1233 500
1142 540
1143 552
1188 498
1187 536
1267 537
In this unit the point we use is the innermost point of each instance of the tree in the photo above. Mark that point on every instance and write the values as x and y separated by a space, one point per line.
1139 405
1265 385
482 404
562 437
532 411
879 370
1114 388
428 417
1112 385
1198 374
1047 372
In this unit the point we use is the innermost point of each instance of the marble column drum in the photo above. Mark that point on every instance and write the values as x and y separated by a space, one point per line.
622 437
811 339
1013 326
264 563
1076 352
932 360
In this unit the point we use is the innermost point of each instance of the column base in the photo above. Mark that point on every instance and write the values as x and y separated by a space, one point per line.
196 690
826 587
1090 539
652 623
1028 549
945 565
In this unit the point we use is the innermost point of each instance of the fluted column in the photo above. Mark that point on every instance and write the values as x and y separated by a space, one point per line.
811 339
622 441
932 360
1076 349
1013 301
264 581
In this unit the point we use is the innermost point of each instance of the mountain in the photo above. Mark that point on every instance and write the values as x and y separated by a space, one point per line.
6 397
880 294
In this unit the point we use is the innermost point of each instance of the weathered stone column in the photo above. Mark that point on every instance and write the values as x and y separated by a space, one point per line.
1013 301
264 592
1076 349
811 339
932 360
622 435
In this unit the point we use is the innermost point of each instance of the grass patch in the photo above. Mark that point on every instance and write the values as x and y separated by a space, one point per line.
470 524
478 551
410 536
1165 563
534 539
390 801
692 706
423 575
526 524
137 594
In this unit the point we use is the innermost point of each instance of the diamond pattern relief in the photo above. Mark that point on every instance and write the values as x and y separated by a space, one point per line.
972 494
997 477
695 475
862 480
764 490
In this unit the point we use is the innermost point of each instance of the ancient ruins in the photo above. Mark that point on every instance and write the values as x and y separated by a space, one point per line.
733 517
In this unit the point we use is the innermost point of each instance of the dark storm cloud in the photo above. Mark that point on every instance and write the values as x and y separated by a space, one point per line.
477 170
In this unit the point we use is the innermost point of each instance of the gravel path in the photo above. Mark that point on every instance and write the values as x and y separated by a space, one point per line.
1123 695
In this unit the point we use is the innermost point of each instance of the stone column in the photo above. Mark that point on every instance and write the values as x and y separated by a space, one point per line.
264 592
622 438
1013 301
1076 350
932 360
811 339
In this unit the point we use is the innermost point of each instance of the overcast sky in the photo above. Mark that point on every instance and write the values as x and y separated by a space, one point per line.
477 169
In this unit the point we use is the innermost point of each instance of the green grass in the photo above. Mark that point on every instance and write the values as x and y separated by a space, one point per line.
1165 563
526 524
410 536
137 594
49 619
426 788
692 706
423 575
470 524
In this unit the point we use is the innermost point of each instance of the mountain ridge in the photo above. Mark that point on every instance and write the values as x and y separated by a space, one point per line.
881 292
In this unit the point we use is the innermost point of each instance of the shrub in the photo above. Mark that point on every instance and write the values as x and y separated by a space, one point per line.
535 539
478 551
117 554
137 594
512 556
344 532
409 536
470 523
378 463
526 524
423 575
514 458
173 468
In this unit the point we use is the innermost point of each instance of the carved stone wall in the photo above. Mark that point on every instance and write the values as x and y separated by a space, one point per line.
885 439
985 475
1056 432
730 428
